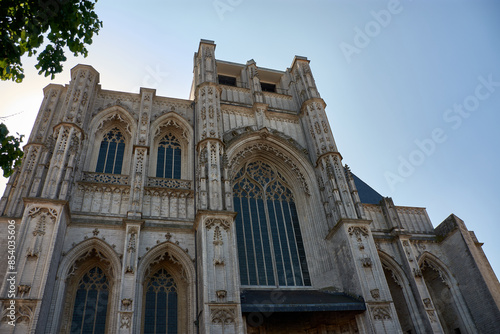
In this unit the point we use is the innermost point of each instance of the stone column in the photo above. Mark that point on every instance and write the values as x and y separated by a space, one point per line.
254 80
38 250
68 134
218 275
423 297
358 255
129 278
29 180
68 138
139 171
427 315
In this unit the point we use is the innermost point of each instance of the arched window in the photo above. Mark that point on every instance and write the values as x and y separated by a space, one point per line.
168 162
91 303
110 158
270 247
160 304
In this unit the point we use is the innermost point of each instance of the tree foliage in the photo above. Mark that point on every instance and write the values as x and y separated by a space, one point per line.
10 151
28 25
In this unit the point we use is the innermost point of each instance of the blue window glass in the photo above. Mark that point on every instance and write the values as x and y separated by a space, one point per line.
168 162
91 303
270 245
111 151
160 309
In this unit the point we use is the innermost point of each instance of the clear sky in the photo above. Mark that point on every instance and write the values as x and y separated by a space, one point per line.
412 87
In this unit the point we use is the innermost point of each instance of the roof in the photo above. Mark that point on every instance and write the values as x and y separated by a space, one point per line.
367 194
298 301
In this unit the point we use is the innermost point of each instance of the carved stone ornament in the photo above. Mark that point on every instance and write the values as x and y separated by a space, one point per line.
218 251
114 117
35 211
167 256
93 252
24 311
173 125
375 294
217 221
381 312
125 320
223 315
358 232
127 303
417 272
366 262
23 289
432 315
250 150
221 294
395 277
437 269
427 302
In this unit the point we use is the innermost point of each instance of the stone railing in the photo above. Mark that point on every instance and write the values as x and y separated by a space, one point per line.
236 94
105 178
168 183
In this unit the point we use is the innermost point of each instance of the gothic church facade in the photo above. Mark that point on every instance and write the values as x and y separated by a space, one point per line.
228 212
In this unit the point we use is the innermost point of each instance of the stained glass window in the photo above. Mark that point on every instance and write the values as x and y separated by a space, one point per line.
111 152
270 246
168 162
91 303
160 311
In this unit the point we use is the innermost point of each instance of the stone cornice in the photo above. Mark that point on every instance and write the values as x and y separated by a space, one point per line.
209 139
326 154
311 100
345 221
201 215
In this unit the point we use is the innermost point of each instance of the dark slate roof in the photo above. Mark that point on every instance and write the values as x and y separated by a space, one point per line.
298 301
366 193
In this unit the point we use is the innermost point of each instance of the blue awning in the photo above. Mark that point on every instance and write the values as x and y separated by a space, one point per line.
298 301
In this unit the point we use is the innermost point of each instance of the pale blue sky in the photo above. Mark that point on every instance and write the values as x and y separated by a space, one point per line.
393 91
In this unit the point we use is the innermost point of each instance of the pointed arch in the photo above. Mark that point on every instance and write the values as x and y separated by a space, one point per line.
81 259
267 145
169 260
171 149
306 223
115 119
402 295
445 293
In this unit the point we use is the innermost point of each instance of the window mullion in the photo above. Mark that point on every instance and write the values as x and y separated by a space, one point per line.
244 240
96 308
156 311
288 242
84 309
261 241
167 294
279 239
253 240
292 223
106 157
114 158
271 241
